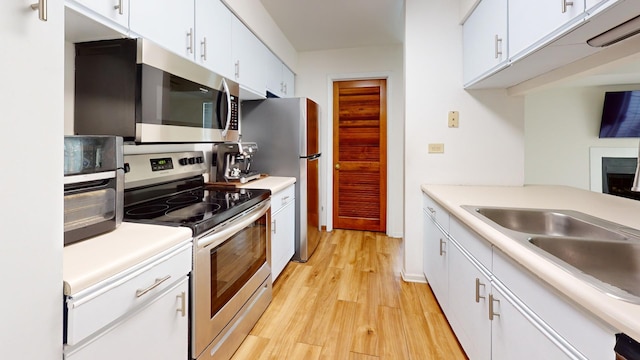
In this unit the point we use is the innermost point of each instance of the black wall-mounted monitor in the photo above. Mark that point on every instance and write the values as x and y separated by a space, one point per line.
621 115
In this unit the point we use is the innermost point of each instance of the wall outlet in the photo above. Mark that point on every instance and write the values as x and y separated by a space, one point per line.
454 119
436 148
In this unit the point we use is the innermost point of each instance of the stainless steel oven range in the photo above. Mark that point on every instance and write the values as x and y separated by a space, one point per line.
230 280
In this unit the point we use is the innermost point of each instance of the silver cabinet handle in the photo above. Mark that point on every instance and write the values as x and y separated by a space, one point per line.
566 3
183 304
273 227
41 6
153 286
478 284
492 313
285 200
442 251
203 45
190 43
498 46
431 210
237 66
282 86
119 7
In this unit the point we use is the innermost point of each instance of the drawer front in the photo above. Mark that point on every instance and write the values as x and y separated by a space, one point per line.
437 212
125 292
282 198
472 243
593 338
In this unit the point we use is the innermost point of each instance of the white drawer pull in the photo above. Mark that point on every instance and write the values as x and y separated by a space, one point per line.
153 286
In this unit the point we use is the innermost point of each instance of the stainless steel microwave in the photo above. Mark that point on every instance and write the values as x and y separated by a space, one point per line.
135 89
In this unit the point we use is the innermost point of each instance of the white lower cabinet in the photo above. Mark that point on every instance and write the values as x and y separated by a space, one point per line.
435 258
157 331
140 313
498 309
468 303
513 336
283 227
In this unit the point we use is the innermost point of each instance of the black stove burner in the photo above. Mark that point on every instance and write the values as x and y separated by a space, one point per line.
146 211
183 199
195 212
198 208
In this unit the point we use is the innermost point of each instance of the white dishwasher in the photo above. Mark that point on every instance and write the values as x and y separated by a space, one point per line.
139 313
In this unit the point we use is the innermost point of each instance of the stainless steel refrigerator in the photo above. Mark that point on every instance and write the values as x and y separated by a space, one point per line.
287 133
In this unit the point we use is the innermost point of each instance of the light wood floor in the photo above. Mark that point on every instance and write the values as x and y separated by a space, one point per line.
349 302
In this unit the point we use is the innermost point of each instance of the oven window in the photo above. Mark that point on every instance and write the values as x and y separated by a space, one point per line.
235 261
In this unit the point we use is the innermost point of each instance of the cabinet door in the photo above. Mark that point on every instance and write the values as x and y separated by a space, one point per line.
530 22
158 331
274 75
112 10
282 238
435 260
249 55
469 290
515 337
485 40
289 80
213 43
169 24
32 92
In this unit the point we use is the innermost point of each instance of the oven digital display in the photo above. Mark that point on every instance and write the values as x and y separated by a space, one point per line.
161 164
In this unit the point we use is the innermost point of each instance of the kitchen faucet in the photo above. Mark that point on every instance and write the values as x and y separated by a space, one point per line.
636 179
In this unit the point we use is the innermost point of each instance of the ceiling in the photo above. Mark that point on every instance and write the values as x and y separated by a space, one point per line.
312 25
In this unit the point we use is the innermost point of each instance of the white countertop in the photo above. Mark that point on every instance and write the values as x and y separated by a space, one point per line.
622 315
93 260
273 183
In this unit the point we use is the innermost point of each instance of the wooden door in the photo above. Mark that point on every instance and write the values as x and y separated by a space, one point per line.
360 155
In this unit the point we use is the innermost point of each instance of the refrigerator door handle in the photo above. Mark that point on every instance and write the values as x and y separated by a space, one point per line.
312 157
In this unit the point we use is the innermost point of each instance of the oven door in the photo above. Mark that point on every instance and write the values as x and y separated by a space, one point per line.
230 266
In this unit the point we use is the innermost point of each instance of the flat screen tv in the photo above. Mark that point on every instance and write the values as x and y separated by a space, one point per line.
621 114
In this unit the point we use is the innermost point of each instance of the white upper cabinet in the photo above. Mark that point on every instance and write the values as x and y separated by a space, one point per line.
213 42
280 80
167 23
532 23
115 11
249 60
485 40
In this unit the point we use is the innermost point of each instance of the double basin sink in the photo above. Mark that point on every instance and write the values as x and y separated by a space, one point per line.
604 254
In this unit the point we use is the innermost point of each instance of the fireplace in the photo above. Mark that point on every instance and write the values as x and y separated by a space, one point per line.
617 176
613 171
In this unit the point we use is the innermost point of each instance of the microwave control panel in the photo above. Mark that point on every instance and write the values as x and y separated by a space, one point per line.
234 113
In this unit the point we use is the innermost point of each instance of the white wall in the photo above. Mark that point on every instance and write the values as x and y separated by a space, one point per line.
316 72
561 124
487 148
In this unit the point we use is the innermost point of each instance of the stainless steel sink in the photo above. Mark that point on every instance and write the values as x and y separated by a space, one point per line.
604 254
549 222
612 262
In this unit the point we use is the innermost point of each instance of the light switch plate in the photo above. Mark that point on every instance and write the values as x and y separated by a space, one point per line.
436 148
454 119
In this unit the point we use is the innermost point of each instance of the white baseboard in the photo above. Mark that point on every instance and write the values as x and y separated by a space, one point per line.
417 278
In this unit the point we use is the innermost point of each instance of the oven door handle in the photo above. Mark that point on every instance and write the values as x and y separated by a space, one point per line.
225 232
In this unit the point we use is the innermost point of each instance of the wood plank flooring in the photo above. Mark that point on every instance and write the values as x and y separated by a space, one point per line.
349 302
